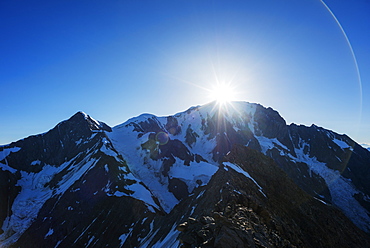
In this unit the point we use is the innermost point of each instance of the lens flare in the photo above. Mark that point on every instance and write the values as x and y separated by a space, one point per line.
222 93
162 138
351 50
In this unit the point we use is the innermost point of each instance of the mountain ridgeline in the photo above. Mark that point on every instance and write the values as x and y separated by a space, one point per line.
212 176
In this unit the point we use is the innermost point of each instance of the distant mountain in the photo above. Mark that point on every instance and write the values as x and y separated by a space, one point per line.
366 146
231 176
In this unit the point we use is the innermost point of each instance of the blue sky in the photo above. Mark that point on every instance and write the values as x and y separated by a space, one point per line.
118 59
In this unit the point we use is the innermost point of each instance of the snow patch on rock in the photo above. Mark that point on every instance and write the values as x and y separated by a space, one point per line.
341 189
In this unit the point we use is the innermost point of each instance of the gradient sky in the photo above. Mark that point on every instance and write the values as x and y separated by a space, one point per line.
118 59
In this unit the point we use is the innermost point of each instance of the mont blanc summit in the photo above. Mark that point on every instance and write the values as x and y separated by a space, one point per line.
213 176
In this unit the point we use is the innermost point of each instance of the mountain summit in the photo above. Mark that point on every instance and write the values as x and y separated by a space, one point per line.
213 176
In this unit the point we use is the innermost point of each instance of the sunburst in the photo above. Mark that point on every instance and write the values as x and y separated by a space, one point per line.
222 93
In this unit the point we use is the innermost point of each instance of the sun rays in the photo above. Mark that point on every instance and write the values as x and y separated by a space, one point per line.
222 93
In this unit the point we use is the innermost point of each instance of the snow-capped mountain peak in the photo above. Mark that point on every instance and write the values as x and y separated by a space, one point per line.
83 167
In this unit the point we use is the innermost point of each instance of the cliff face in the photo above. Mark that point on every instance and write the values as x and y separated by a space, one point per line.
206 177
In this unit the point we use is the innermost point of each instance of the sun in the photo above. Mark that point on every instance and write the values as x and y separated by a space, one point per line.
222 93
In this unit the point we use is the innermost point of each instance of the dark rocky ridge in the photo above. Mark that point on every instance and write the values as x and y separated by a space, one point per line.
231 211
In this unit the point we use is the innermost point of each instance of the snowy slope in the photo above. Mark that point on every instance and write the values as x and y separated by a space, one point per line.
143 141
38 182
209 132
34 194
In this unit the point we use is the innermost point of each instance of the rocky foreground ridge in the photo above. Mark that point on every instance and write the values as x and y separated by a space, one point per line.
211 176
